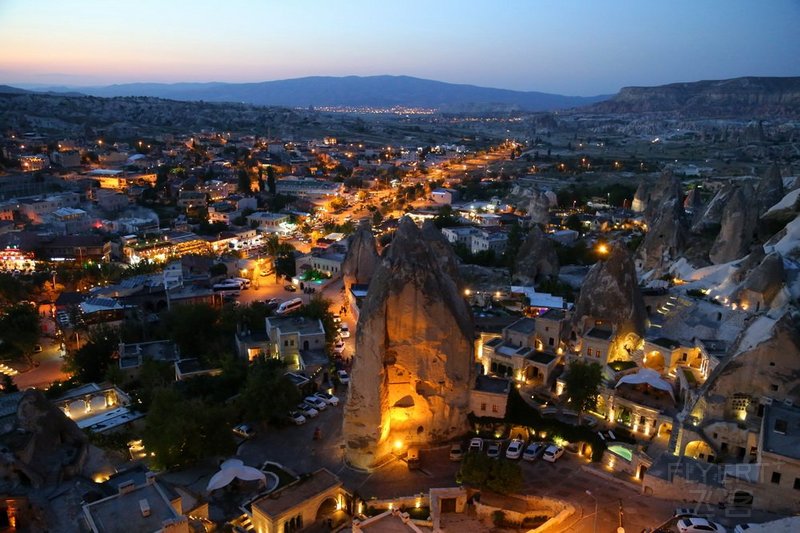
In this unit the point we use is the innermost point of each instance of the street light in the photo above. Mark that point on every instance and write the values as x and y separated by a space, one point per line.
595 509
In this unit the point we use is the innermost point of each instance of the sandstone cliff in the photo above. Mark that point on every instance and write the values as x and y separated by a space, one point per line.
740 97
610 293
362 256
537 259
539 207
666 236
442 250
414 363
738 227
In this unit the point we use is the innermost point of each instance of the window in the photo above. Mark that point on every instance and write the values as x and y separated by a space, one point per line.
494 408
776 478
773 387
286 343
797 483
599 354
551 341
642 420
684 356
589 352
483 406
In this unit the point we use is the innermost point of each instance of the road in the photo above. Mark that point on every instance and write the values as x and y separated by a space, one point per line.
46 368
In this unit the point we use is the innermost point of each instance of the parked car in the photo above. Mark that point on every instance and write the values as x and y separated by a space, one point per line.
330 399
533 451
493 450
344 379
315 402
307 410
698 525
338 347
552 453
456 452
476 445
296 418
344 331
244 431
514 449
290 288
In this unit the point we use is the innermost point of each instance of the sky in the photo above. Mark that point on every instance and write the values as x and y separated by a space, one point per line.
573 47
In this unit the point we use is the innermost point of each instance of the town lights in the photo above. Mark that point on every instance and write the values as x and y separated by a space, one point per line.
602 248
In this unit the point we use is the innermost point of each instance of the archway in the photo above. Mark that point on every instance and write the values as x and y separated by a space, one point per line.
327 508
654 360
305 345
698 449
742 498
664 429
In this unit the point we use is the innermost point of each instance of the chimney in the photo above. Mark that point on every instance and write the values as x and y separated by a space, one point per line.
150 478
126 487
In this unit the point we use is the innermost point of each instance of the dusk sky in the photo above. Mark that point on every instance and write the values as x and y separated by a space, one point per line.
566 47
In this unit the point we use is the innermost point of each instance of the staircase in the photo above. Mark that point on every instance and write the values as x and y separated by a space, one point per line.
243 524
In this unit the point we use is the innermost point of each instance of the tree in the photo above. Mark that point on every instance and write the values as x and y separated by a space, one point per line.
91 361
445 217
515 238
271 180
583 381
499 475
19 329
245 184
268 394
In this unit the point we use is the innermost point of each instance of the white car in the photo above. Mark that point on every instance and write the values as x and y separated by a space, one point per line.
330 399
296 418
344 331
244 431
552 453
344 379
533 451
338 347
514 450
307 410
317 403
697 525
476 445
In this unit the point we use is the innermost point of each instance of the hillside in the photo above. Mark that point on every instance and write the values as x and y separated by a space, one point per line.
751 97
352 91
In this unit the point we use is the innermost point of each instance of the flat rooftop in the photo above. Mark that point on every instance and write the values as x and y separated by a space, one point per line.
121 513
554 314
277 503
296 324
523 325
491 384
541 358
597 333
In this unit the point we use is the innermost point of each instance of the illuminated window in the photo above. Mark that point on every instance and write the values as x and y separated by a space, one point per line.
483 407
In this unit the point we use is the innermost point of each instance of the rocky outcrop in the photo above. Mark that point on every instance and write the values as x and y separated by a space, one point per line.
610 293
710 218
738 227
442 250
763 283
536 259
413 367
769 190
667 232
740 97
539 207
362 256
641 198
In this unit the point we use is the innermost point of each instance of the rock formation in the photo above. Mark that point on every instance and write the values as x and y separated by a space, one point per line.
539 207
666 236
442 250
536 259
769 190
710 218
763 283
362 256
738 227
610 293
414 363
641 198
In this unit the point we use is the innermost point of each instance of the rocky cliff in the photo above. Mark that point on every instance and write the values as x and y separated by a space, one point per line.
610 293
413 367
536 260
667 233
734 98
362 256
738 227
539 207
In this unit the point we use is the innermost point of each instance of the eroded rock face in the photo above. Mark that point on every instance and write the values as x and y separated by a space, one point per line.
539 207
610 293
362 256
710 217
666 237
536 260
769 190
442 250
414 363
738 229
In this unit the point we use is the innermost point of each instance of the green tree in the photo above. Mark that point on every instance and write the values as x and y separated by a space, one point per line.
245 185
194 328
268 394
582 385
271 180
19 329
446 217
515 238
91 361
505 477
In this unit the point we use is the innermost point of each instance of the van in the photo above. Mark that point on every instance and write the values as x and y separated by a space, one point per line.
288 306
244 283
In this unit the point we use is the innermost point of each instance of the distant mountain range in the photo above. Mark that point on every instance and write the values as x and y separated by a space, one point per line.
749 97
348 91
